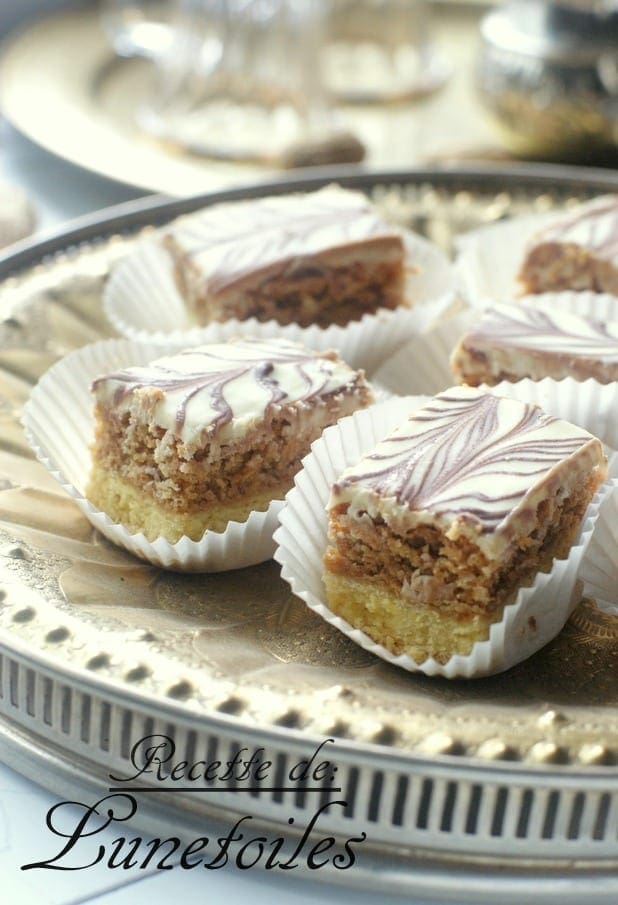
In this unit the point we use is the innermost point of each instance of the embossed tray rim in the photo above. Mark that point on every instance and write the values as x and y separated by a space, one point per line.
157 209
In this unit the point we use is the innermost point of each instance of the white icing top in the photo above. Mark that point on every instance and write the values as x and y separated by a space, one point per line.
592 225
468 462
548 331
224 388
230 241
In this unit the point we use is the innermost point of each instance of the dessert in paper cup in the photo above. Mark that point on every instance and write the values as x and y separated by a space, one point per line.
183 455
566 250
339 278
544 336
375 573
529 339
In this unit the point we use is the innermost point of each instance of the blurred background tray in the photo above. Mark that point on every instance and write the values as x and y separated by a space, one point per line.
62 86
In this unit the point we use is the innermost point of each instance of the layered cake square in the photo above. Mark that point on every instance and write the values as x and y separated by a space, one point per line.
324 257
205 436
511 342
577 251
435 530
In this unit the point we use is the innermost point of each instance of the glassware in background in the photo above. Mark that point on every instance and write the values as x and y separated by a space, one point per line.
548 73
381 50
241 80
138 27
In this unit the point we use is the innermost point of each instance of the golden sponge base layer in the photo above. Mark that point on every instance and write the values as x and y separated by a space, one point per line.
404 627
137 511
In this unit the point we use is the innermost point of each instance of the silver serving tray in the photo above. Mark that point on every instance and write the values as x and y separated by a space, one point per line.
509 782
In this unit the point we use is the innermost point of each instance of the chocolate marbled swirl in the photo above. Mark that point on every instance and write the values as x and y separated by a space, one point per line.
547 331
228 242
467 461
225 388
592 225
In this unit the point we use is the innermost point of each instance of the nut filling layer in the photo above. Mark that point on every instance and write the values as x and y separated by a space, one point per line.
433 532
196 439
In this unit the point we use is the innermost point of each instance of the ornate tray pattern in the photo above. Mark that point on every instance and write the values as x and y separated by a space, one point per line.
94 643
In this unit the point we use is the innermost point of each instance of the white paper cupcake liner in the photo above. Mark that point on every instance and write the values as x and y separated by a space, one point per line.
421 366
489 259
58 424
142 302
535 617
599 570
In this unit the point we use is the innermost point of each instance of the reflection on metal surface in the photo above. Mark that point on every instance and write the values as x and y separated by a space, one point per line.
595 627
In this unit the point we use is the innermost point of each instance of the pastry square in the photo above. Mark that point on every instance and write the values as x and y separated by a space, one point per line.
578 250
511 342
323 258
205 436
435 530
